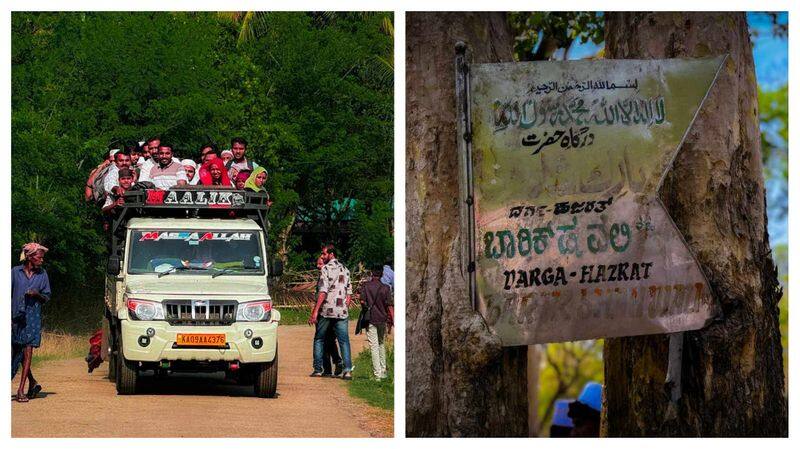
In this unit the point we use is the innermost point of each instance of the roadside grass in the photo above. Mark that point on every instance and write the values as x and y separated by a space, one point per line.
76 311
364 385
59 346
300 315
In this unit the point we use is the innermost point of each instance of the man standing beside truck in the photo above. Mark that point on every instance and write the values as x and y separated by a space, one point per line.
333 301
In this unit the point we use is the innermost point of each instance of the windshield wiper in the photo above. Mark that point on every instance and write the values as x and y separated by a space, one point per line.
181 268
231 270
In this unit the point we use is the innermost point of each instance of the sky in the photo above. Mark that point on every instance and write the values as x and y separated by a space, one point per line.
771 54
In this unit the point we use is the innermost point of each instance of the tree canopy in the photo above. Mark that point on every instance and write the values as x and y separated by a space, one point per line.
310 96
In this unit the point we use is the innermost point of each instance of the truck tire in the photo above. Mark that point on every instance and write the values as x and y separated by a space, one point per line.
111 351
266 382
127 373
112 367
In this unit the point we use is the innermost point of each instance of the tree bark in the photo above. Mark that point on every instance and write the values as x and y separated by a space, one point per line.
534 360
460 381
733 382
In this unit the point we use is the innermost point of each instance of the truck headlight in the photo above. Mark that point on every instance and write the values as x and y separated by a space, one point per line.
253 311
142 310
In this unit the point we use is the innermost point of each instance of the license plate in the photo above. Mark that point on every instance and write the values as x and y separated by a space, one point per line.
201 340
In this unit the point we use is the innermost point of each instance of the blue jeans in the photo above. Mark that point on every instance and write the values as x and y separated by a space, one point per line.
339 326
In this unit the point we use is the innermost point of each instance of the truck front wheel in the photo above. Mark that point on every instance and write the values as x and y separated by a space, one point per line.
127 373
109 349
266 382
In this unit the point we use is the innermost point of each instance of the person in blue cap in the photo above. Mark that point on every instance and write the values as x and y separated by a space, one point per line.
561 426
585 411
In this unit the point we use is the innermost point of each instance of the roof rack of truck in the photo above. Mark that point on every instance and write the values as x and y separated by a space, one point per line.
196 198
189 202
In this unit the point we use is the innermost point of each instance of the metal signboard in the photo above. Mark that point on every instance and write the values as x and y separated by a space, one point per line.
192 198
570 238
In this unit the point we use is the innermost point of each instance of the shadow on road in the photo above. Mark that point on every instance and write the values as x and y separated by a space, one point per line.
40 395
192 384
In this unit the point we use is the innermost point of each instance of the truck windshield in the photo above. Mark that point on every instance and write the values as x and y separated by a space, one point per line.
236 252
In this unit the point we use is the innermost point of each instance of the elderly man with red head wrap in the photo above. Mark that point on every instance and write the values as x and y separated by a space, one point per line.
213 173
30 288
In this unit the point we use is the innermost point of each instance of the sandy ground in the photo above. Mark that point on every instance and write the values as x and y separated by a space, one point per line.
77 404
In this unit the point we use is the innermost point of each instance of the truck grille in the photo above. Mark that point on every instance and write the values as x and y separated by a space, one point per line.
200 313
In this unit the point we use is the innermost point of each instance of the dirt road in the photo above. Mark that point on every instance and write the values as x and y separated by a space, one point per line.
77 404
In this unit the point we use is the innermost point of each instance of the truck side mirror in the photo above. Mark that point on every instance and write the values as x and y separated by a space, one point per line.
114 264
277 268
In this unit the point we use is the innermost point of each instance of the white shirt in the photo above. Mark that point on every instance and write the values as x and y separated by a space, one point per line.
112 178
144 166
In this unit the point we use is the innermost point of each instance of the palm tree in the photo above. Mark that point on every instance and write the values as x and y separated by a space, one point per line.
253 24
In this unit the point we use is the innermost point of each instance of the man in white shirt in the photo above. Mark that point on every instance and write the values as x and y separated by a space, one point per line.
122 159
149 152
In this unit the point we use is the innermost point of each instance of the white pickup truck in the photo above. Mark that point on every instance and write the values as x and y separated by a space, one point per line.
186 288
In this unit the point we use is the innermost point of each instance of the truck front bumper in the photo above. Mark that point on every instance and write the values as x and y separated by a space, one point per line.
162 345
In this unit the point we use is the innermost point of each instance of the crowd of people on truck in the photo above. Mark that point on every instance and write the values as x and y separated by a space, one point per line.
153 164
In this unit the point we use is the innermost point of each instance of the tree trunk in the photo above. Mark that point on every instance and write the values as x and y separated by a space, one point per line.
733 382
534 360
283 249
460 381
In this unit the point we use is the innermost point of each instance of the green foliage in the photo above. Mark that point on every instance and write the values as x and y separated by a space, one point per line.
304 94
327 123
364 385
373 234
539 34
300 315
773 109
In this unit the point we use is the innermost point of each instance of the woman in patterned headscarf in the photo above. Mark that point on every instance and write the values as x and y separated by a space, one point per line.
30 288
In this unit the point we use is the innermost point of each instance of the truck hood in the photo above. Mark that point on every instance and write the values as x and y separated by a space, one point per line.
197 285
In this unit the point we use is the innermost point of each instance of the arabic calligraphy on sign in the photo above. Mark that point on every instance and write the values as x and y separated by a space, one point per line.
588 85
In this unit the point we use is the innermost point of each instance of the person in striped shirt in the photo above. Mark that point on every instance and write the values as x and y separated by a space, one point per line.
168 172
